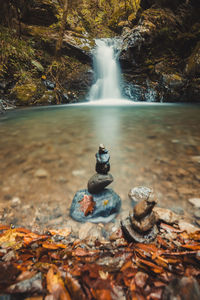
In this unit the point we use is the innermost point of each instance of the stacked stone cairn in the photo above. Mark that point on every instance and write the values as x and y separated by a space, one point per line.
103 204
141 226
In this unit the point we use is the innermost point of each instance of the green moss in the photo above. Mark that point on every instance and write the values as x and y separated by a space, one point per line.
24 93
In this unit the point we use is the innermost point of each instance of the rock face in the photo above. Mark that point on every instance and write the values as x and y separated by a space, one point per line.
141 226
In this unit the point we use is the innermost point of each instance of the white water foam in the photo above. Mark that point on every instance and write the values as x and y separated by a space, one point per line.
107 71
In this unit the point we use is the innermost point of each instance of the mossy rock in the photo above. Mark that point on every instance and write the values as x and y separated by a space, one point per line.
25 93
173 81
49 97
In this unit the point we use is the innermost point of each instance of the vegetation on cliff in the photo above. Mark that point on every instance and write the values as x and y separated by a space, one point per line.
52 41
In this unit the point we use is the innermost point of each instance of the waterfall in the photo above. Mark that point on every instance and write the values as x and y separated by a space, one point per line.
106 70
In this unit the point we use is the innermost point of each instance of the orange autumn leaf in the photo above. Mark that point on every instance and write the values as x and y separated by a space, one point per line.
53 246
84 252
87 205
102 294
153 266
33 237
192 247
55 285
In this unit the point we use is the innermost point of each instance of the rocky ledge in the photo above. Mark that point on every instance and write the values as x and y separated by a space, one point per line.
160 55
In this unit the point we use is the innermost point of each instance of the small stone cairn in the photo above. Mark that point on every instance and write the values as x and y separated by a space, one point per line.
141 225
104 204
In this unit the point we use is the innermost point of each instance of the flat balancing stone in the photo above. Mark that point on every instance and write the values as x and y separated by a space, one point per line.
107 206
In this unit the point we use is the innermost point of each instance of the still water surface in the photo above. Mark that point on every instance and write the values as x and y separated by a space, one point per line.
152 145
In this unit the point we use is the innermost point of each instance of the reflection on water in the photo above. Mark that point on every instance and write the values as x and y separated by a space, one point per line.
157 146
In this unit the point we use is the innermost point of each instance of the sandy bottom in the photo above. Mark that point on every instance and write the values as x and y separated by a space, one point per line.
47 154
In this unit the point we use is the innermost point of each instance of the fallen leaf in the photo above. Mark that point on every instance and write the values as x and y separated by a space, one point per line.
74 287
102 294
153 266
53 246
62 232
87 205
55 285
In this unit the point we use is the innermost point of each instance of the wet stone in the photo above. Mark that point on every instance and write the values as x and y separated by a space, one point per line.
140 193
98 182
145 224
132 235
107 206
141 226
142 209
195 202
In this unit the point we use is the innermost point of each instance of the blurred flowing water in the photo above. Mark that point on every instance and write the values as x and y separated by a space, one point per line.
152 145
107 74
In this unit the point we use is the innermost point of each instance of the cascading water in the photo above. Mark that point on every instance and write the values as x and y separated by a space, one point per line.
107 71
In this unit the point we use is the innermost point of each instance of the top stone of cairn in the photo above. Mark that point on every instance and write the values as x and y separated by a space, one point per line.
102 160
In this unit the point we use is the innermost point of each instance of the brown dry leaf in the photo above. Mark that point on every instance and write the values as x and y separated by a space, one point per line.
74 287
153 266
192 247
55 285
63 232
87 205
4 227
150 248
169 228
102 294
84 252
53 246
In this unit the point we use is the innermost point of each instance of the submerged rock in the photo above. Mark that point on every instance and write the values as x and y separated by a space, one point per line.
98 182
107 206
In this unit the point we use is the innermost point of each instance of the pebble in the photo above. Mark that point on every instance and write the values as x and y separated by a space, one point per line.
185 226
139 193
41 173
78 172
15 201
195 202
84 230
166 215
196 159
197 214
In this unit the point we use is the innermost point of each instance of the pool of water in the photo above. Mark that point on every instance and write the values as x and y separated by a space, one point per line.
151 145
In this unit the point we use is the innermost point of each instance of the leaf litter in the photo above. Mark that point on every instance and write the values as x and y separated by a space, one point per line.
43 266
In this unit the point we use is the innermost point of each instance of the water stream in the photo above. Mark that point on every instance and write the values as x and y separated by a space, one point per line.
106 71
154 145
